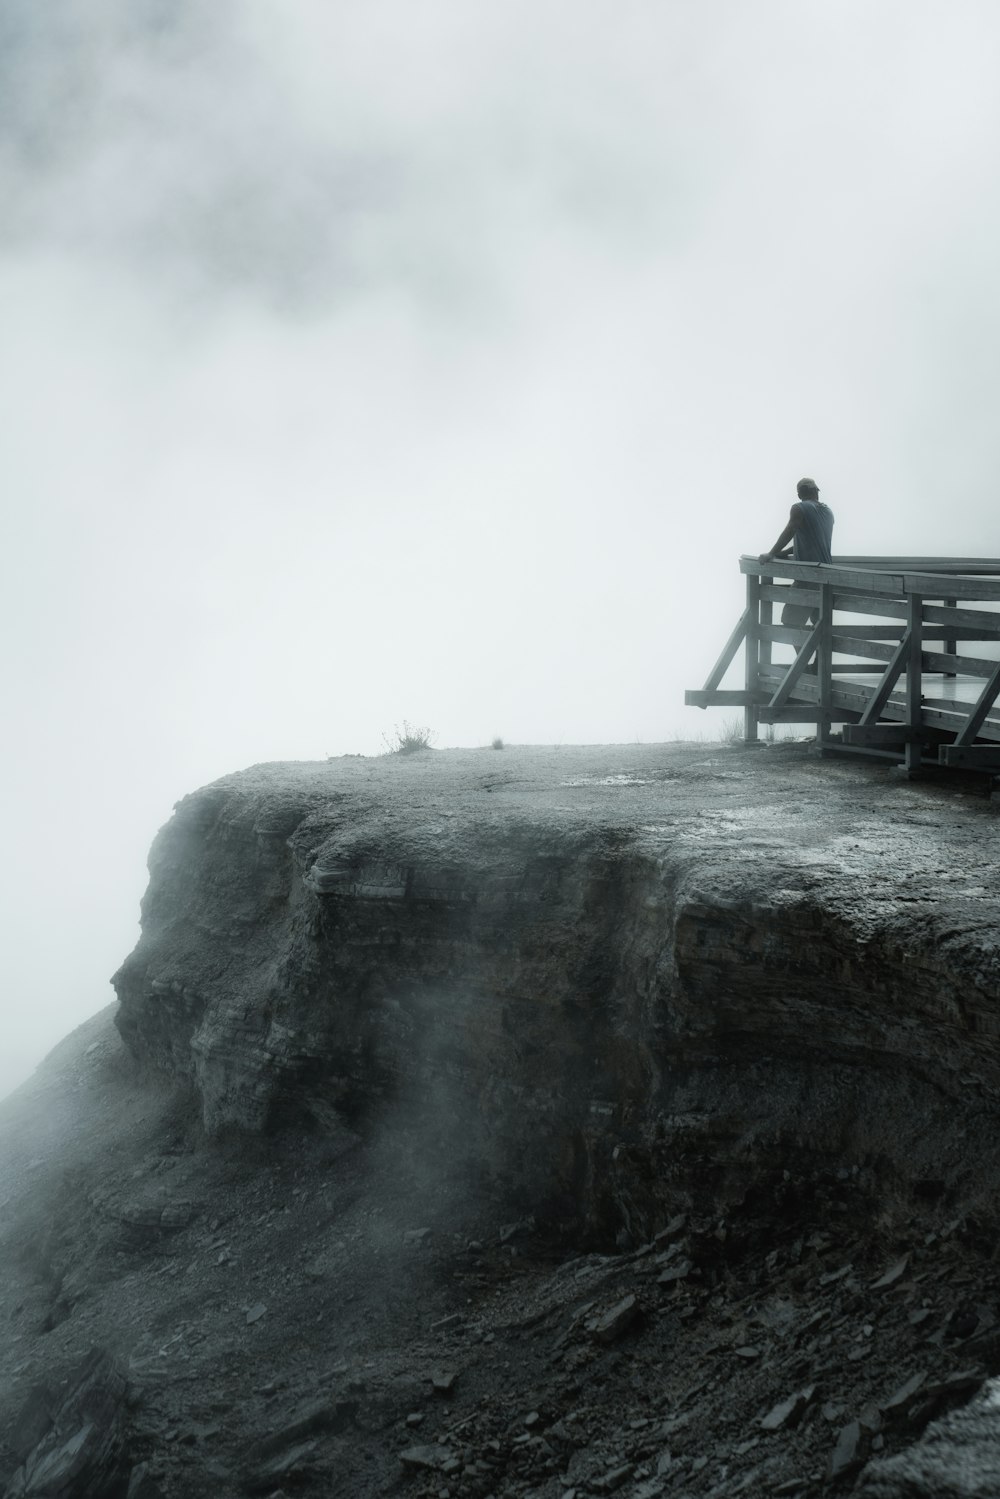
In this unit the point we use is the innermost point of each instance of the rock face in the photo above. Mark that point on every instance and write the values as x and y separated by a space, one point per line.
606 979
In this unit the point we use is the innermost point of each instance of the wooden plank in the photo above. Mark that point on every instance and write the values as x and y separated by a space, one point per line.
946 718
780 593
858 668
973 619
732 645
963 666
786 634
851 631
914 666
859 601
765 621
927 585
970 756
824 661
751 658
878 734
720 698
797 713
976 581
978 715
813 574
984 565
880 649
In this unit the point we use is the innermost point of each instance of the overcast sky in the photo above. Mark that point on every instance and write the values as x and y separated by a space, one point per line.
436 361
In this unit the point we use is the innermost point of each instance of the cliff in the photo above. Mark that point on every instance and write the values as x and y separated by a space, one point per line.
599 977
503 1124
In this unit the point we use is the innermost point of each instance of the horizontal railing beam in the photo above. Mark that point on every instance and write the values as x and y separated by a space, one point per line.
964 619
940 582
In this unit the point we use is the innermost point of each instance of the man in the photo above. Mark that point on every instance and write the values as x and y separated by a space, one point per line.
810 531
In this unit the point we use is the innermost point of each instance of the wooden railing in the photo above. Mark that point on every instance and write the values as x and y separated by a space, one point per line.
883 651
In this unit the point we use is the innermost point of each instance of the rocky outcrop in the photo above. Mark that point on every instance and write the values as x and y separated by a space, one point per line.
611 980
72 1445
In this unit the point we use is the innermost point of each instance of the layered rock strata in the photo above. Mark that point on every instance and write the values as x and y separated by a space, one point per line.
606 980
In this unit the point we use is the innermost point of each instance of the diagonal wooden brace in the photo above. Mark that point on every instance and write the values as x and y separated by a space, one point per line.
796 669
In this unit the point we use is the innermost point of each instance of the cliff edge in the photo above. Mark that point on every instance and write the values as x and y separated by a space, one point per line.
597 976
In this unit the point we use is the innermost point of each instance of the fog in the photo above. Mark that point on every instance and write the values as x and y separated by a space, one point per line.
436 362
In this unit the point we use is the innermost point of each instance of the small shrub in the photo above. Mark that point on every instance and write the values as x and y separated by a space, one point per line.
408 739
497 743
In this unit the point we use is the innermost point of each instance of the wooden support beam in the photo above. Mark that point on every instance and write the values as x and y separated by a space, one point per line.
964 666
978 715
735 697
880 697
732 645
860 643
950 643
878 735
859 602
786 634
752 658
914 747
782 594
794 672
824 662
970 756
972 619
854 631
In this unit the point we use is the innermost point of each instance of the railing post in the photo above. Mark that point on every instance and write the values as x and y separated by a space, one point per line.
824 663
950 641
766 621
751 678
914 682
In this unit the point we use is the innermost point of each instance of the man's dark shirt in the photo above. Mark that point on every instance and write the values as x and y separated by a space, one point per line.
814 532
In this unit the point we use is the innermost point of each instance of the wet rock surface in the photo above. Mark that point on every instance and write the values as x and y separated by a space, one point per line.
724 1223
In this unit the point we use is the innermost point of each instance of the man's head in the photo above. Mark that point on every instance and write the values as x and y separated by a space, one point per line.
807 489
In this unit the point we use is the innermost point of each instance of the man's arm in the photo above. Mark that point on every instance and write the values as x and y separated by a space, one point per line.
784 538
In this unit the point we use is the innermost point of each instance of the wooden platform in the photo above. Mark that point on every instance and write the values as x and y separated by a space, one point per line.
901 653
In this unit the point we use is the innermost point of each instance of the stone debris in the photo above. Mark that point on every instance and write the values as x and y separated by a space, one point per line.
850 1451
143 1483
617 1321
177 1215
326 1414
674 1273
423 1457
788 1412
451 1323
613 1479
255 1313
901 1398
892 1275
443 1381
673 1230
286 1466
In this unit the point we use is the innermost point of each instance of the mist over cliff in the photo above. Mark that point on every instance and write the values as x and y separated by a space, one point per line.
384 363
